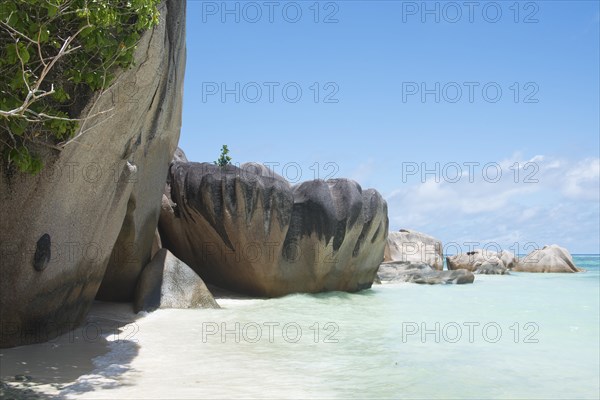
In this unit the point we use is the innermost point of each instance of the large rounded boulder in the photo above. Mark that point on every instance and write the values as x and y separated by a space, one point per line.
551 258
90 216
246 229
336 237
414 247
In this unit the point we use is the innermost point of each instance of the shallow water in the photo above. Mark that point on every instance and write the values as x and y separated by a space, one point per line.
517 336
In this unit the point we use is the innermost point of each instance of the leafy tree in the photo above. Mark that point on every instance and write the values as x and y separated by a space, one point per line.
224 159
54 54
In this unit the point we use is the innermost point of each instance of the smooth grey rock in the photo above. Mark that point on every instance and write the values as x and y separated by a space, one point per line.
252 233
157 128
403 271
98 199
415 247
179 155
493 266
167 282
551 258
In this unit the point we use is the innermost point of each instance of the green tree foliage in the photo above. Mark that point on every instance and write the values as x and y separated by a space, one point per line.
224 159
53 55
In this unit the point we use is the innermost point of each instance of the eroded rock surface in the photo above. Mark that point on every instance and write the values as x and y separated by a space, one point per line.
248 230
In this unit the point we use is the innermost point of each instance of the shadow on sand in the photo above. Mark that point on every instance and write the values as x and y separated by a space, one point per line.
93 356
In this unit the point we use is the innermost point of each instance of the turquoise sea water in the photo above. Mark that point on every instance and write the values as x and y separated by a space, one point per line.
533 336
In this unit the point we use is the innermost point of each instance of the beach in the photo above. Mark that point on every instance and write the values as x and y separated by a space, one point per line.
513 336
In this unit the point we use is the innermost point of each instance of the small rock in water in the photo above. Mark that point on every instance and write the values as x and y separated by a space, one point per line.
402 271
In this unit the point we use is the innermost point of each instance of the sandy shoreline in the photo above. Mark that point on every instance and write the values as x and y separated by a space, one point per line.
71 362
94 355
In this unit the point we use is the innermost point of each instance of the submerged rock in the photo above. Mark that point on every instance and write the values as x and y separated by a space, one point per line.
414 247
167 282
249 231
402 271
483 262
551 258
89 217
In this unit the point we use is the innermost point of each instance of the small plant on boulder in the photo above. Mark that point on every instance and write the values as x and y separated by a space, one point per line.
224 159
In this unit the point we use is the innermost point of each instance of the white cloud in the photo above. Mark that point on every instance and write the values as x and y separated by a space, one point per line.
540 199
529 213
582 180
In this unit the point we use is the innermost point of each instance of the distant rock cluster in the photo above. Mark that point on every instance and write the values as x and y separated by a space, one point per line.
403 271
483 262
412 256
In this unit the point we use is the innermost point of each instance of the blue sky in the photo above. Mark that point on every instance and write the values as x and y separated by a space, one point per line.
379 91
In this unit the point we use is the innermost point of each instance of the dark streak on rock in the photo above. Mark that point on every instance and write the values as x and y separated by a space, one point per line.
42 254
215 192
